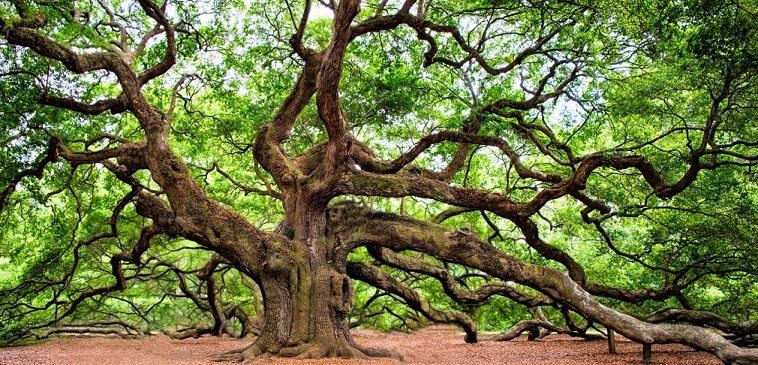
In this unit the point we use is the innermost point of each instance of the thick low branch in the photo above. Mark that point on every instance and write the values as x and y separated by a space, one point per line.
702 318
109 327
87 330
372 184
403 233
131 152
189 332
451 287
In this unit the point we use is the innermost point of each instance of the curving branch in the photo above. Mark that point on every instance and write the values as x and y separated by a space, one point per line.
370 164
305 276
703 318
296 41
423 28
450 282
248 189
403 233
23 33
374 276
114 106
157 13
50 157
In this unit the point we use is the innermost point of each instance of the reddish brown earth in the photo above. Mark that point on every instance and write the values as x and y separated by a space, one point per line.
434 345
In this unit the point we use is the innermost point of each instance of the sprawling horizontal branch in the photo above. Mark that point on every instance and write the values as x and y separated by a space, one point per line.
371 164
404 233
114 106
109 327
451 287
638 296
217 229
20 33
371 184
87 330
702 318
360 182
131 154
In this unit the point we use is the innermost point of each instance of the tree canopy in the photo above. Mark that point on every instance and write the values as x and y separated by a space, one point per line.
291 169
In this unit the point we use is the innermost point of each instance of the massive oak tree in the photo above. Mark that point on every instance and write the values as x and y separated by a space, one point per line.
494 148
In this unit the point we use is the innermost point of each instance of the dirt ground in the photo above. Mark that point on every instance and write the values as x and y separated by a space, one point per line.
434 345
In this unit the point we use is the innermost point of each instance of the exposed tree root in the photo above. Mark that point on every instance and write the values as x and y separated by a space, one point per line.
308 350
377 352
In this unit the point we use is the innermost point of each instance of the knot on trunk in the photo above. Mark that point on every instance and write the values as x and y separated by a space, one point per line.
342 293
276 262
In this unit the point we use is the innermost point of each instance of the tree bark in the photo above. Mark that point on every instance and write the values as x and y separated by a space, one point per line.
404 233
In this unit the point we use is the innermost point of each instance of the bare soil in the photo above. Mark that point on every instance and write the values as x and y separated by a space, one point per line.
433 345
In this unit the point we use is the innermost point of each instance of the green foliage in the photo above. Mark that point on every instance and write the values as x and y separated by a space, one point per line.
650 73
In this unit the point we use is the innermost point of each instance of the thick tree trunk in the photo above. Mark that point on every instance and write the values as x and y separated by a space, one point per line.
307 296
305 317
